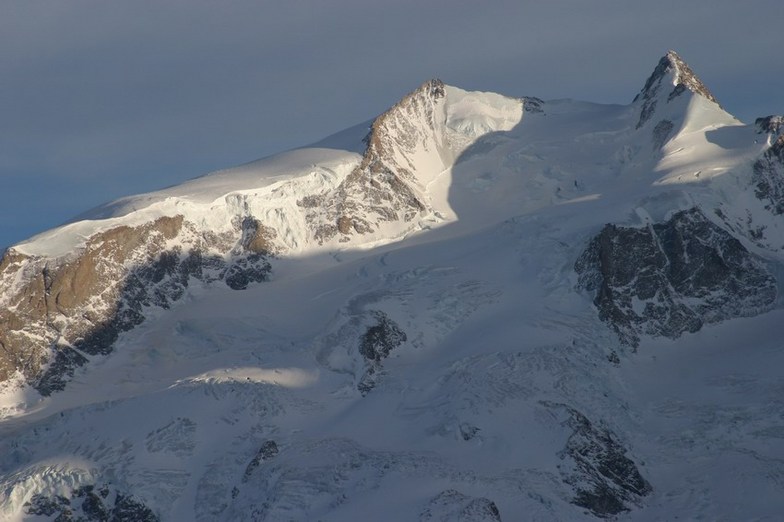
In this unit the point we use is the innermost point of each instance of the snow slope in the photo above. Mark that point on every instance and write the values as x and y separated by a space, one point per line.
445 367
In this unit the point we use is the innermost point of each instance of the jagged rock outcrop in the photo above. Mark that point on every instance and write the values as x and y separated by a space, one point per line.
89 503
671 78
670 278
383 187
61 309
268 450
605 480
533 104
376 344
759 220
769 124
768 177
58 312
451 505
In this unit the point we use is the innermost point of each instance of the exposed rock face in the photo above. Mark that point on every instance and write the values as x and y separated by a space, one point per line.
267 451
671 76
383 187
380 339
672 277
768 177
769 124
376 344
90 504
533 104
605 480
56 313
661 133
257 238
451 505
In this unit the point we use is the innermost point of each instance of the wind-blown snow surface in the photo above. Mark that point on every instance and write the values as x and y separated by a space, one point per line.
454 373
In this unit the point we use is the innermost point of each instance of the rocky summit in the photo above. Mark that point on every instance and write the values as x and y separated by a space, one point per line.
471 307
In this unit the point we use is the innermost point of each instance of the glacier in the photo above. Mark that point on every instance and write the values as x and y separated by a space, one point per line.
472 307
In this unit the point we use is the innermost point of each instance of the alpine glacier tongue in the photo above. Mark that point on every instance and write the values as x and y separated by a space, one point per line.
472 307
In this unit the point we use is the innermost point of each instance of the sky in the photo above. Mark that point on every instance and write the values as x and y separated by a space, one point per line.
100 100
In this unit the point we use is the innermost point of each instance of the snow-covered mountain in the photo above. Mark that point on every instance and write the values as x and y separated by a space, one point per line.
473 307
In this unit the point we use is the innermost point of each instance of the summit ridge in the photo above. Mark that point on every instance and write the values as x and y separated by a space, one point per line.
671 78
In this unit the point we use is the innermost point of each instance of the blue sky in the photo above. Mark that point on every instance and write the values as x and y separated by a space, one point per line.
104 99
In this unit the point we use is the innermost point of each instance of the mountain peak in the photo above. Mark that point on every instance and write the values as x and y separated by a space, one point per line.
434 87
671 70
684 76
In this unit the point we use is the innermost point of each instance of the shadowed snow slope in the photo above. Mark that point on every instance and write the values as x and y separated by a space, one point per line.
473 307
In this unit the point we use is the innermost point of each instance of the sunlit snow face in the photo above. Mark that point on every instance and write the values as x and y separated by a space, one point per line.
285 377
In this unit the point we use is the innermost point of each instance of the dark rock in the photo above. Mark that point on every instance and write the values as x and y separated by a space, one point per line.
381 338
661 133
65 516
769 124
436 88
128 509
59 371
601 501
368 381
375 345
605 480
533 104
87 505
93 508
647 111
46 506
684 79
672 277
253 268
677 91
267 451
768 177
451 505
79 304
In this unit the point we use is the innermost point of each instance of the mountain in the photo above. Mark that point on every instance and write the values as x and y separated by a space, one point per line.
473 307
